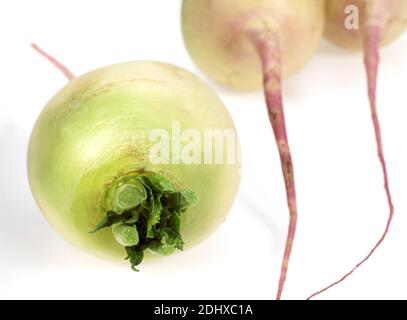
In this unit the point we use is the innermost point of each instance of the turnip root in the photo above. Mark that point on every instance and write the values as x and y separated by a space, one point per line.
381 21
246 43
91 165
65 71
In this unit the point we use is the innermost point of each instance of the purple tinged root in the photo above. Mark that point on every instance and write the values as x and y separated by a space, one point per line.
268 47
66 72
372 39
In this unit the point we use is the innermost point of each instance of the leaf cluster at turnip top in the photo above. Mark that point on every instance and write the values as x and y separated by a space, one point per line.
102 178
152 211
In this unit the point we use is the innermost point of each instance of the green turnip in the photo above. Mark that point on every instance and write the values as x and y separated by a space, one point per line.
113 176
367 24
246 43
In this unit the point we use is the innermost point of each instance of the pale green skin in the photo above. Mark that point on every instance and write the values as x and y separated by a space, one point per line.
216 35
96 129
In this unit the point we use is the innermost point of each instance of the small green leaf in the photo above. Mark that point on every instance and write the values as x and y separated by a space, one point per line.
189 198
158 183
181 201
135 255
153 218
170 233
111 219
153 212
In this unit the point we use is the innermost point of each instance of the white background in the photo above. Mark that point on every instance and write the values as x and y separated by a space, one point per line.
342 207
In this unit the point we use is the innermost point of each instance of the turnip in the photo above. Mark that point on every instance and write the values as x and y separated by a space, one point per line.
246 43
99 178
367 24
